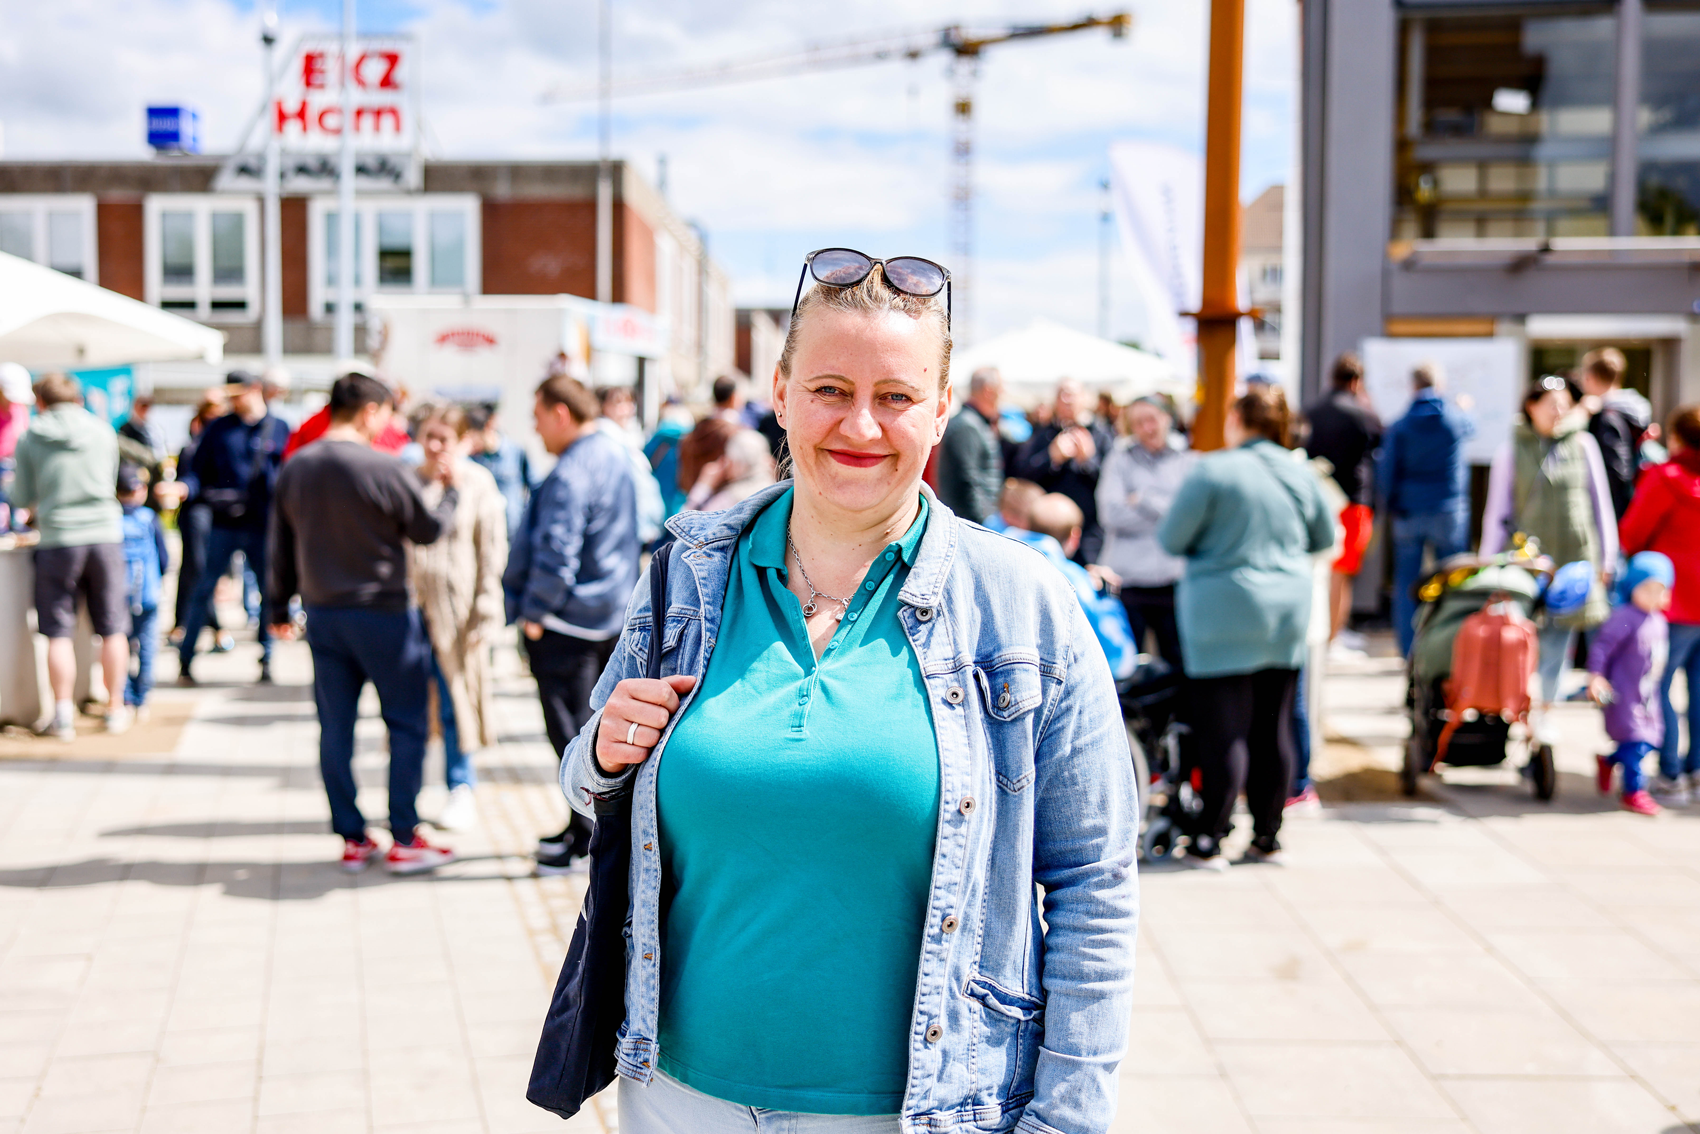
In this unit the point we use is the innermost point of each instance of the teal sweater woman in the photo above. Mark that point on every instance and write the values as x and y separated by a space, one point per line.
1247 521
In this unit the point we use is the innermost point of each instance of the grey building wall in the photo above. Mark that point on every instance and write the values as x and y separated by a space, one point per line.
1347 101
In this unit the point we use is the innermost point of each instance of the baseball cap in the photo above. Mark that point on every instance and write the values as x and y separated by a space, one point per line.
243 378
15 384
129 479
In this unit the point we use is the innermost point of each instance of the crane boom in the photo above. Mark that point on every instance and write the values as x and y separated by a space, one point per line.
965 46
830 56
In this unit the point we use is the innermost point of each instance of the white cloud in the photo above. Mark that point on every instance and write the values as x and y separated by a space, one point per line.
771 168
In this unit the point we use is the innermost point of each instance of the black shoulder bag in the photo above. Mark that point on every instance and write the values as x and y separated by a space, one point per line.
576 1053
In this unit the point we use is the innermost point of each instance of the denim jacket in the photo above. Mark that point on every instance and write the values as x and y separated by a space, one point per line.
1017 1025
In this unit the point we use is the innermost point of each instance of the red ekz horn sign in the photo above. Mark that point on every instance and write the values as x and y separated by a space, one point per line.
307 111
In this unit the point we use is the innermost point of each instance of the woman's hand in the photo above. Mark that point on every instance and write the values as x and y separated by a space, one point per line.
646 703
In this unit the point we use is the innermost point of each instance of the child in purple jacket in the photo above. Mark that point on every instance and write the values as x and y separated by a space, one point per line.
1625 665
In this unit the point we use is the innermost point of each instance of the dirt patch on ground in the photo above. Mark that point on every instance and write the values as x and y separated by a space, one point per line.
1352 773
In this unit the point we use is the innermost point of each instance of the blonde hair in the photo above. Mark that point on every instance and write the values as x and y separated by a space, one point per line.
873 296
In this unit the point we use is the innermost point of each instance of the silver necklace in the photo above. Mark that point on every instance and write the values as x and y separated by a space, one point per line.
811 606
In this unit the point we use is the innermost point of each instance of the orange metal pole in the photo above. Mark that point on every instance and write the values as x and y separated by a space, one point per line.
1219 312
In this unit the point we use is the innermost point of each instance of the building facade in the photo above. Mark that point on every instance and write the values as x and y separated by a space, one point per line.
157 231
1526 170
1261 226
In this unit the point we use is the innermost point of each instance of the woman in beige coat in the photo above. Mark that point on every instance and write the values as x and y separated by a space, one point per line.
457 582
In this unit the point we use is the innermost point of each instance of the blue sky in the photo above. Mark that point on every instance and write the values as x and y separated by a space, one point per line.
772 169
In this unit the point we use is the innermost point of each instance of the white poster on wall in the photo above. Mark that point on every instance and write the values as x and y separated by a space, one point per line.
1482 376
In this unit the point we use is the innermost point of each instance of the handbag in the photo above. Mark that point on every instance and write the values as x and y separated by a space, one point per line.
576 1052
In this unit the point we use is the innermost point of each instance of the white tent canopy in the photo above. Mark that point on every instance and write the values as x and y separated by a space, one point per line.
1032 360
49 319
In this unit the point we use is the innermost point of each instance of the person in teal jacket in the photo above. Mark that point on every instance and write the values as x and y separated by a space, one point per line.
1247 520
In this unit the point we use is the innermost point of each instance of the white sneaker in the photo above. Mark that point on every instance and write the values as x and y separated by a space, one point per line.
119 720
460 811
1339 651
1216 863
1352 640
1672 793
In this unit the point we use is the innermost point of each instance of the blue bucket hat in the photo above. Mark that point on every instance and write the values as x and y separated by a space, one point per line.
1570 586
1643 566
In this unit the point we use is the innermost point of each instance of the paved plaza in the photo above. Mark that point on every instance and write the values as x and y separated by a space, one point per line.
178 953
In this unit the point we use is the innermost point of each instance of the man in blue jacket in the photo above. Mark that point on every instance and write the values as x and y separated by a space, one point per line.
1426 484
234 471
573 567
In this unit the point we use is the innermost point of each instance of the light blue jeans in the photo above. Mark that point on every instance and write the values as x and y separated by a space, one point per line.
1556 642
1684 656
667 1106
1445 534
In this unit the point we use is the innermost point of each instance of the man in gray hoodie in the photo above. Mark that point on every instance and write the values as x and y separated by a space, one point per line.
67 476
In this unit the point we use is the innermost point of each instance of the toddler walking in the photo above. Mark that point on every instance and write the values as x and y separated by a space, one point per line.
145 557
1625 664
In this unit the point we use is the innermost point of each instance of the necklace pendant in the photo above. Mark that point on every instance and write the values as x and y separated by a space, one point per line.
809 609
839 617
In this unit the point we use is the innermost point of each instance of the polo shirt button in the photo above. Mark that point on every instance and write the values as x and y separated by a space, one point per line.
954 695
890 555
967 805
950 924
934 1033
869 585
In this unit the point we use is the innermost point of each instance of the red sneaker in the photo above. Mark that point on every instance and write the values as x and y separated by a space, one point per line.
1602 774
1641 803
357 854
417 856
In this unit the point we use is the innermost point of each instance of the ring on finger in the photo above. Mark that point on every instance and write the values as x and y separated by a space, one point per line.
631 734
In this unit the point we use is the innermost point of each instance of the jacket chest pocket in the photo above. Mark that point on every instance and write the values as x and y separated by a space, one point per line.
672 633
1010 692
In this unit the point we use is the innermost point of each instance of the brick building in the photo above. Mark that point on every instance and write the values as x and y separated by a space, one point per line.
156 231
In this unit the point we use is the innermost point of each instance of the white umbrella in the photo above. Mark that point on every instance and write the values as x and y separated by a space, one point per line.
1032 359
49 319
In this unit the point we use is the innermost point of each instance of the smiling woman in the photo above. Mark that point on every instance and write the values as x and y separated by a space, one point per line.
882 726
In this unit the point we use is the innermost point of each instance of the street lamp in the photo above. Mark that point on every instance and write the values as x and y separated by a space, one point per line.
344 344
271 303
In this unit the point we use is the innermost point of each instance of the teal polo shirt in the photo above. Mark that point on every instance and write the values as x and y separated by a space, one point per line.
798 806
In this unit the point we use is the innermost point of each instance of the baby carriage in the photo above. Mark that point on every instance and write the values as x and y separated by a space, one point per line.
1468 674
1149 699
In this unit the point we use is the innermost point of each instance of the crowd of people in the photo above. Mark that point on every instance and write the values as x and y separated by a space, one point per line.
839 549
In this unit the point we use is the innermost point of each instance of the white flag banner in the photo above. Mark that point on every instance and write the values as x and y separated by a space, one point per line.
1159 199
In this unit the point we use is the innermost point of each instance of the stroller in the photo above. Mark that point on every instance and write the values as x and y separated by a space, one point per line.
1475 617
1150 697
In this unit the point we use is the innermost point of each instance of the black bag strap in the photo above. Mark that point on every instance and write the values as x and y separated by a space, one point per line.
658 565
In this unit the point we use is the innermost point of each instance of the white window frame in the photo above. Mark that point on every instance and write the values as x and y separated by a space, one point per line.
202 292
422 205
39 205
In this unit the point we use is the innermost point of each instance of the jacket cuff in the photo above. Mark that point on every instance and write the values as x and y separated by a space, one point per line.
1031 1125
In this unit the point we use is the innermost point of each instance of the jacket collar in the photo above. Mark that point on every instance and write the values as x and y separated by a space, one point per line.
705 530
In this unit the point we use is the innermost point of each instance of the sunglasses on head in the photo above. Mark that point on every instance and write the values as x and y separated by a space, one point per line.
846 267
